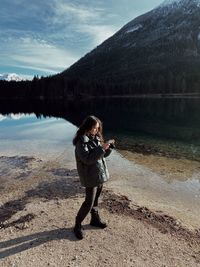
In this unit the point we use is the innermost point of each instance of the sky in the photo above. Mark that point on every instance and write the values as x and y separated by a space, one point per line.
45 37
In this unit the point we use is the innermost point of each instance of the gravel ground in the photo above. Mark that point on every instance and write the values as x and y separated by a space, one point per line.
39 201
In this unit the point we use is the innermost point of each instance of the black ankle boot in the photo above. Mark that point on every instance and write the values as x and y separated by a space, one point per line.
78 230
96 221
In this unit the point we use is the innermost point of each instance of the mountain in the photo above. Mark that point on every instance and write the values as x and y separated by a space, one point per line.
158 52
10 77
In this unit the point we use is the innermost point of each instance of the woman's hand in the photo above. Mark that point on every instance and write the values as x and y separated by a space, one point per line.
105 146
111 141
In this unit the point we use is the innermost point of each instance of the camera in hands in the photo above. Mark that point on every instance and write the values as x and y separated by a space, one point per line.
111 143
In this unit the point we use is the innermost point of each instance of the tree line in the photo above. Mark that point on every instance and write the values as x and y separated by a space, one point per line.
62 86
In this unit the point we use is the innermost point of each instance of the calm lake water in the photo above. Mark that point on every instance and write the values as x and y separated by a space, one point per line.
46 130
170 123
26 134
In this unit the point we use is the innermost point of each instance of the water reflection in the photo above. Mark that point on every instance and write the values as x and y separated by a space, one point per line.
167 117
152 119
26 134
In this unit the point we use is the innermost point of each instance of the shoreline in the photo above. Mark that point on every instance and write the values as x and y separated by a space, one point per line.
160 183
166 224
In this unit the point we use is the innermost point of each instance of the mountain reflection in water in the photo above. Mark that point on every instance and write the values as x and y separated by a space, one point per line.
175 119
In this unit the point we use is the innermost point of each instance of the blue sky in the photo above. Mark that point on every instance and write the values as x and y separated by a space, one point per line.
45 37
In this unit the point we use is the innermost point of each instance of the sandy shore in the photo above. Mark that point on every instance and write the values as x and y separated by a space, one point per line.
39 200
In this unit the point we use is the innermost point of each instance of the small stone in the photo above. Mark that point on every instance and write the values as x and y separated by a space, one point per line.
75 258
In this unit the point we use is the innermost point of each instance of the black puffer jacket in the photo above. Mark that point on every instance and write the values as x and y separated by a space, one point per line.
90 161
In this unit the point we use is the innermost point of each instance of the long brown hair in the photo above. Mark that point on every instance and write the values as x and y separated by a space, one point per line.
88 123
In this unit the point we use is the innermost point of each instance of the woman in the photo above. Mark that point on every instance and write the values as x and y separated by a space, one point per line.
90 151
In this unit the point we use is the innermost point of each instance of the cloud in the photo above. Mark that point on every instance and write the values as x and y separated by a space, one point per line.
99 33
84 19
36 54
77 27
48 37
80 12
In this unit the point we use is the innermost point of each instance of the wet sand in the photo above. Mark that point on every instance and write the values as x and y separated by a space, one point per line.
159 183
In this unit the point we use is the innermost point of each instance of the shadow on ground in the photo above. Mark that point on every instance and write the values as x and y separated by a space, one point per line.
59 188
23 243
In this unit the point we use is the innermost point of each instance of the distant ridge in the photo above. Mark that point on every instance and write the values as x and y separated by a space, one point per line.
10 77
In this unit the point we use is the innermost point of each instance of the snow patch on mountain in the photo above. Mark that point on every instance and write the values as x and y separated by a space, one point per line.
178 3
134 28
170 2
10 77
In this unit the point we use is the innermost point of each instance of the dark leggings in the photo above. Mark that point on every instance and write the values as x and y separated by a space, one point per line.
90 203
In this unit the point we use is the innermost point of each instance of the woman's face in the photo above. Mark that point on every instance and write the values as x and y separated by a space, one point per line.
94 129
